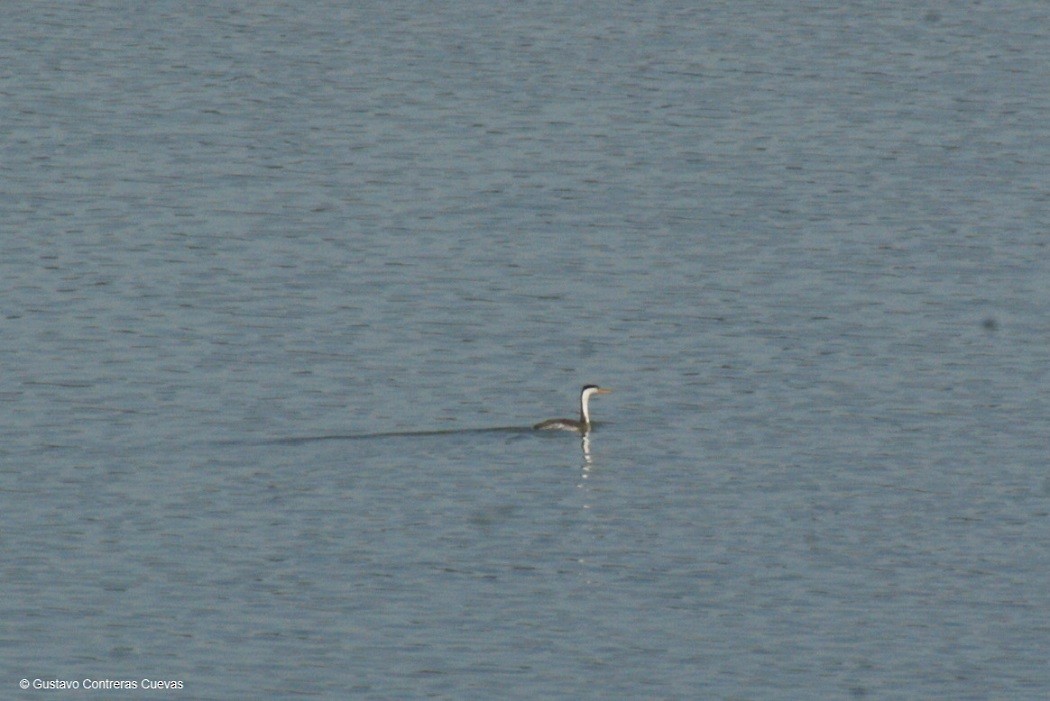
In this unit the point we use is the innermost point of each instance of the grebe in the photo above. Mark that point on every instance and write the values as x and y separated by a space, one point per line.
581 426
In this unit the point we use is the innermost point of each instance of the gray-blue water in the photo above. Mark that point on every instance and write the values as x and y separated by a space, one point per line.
806 245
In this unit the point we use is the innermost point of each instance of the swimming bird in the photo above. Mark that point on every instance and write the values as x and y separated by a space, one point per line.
581 426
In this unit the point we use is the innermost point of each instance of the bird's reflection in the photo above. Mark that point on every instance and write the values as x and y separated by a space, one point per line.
585 448
588 528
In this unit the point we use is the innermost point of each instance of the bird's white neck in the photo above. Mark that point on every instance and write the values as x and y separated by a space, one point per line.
585 397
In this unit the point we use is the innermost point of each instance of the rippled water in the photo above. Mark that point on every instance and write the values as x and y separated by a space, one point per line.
285 286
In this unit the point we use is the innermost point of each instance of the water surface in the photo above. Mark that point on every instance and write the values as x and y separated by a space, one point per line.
806 247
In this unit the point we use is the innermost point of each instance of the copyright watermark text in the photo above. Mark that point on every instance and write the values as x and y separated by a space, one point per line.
89 684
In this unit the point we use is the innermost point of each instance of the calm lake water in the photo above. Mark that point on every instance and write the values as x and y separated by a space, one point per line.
266 271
